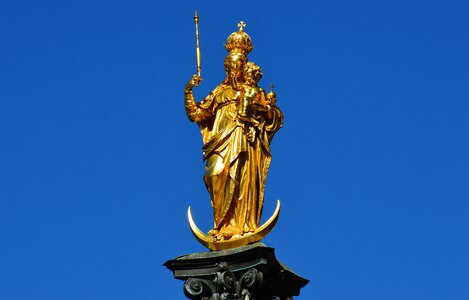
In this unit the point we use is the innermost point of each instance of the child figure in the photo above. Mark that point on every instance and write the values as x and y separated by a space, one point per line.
253 101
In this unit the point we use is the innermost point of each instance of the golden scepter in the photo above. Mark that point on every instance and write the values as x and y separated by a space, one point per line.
197 45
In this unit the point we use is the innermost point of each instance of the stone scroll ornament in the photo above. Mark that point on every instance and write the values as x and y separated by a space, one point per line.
237 120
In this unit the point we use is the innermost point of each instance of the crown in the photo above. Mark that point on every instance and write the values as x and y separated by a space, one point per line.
239 41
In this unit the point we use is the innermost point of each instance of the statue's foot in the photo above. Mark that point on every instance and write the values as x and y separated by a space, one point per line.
248 229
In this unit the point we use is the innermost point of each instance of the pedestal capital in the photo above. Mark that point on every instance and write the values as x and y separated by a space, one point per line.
248 272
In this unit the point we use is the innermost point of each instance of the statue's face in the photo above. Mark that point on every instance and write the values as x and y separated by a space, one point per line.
234 66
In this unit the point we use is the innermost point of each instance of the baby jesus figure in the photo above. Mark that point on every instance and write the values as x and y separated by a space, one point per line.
255 106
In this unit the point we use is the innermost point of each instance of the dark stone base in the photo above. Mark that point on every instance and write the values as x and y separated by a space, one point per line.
244 273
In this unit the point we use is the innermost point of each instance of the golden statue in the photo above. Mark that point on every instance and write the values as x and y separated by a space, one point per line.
237 121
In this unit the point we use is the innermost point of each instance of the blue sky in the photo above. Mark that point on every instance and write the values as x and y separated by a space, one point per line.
99 163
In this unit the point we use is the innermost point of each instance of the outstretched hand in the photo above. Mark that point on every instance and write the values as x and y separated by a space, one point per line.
195 80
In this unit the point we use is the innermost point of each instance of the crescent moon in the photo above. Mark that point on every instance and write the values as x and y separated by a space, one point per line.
249 238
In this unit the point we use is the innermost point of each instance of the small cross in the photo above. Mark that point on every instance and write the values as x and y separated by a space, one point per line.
272 87
241 25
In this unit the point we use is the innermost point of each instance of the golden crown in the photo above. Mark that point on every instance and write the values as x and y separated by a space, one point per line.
239 41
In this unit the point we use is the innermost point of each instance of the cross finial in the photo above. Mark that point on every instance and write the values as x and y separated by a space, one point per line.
272 87
241 25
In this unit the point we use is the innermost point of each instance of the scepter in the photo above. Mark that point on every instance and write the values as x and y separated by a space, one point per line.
197 44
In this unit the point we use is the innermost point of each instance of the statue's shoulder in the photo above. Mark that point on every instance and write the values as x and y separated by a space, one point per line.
218 90
210 101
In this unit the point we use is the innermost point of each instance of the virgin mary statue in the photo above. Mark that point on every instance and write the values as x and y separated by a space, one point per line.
237 121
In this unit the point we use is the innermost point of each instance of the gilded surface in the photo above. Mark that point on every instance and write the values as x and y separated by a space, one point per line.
237 121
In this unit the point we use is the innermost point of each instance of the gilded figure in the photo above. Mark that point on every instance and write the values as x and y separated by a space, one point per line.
237 121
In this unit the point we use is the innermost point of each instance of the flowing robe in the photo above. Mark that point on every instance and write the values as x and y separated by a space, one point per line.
236 168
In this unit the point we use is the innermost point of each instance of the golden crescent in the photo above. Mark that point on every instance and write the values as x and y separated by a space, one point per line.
249 238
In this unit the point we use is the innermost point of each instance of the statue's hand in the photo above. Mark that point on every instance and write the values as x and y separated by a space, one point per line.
195 80
256 109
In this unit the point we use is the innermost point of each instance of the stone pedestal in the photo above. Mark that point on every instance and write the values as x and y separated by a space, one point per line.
244 273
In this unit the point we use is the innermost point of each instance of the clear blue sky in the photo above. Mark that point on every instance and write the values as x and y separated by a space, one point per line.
99 163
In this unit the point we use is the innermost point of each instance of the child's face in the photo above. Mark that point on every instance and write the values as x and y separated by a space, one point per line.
252 76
